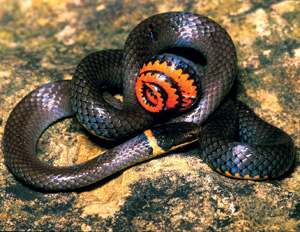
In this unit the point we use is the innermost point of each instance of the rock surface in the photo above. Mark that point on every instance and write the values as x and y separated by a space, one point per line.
42 41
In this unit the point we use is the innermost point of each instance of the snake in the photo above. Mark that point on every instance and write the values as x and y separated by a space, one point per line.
175 72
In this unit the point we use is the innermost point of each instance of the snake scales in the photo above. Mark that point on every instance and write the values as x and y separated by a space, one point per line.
232 139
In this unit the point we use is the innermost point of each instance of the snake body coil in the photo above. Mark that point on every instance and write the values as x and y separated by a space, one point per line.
179 86
167 83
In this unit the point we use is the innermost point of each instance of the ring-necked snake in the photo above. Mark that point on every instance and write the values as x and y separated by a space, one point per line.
232 139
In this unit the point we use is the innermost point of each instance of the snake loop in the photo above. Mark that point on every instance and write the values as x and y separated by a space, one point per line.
232 139
167 83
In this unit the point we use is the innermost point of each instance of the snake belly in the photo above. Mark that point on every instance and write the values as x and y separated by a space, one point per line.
260 152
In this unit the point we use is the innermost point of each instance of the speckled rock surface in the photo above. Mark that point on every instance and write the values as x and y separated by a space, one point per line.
42 41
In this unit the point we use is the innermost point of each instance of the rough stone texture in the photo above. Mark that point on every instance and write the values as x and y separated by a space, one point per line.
42 41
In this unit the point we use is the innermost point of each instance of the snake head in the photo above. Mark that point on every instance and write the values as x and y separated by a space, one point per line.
174 135
167 83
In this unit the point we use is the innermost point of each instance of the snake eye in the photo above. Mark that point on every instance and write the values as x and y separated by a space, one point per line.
167 82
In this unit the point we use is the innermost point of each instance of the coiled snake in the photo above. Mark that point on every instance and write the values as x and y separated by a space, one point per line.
156 85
